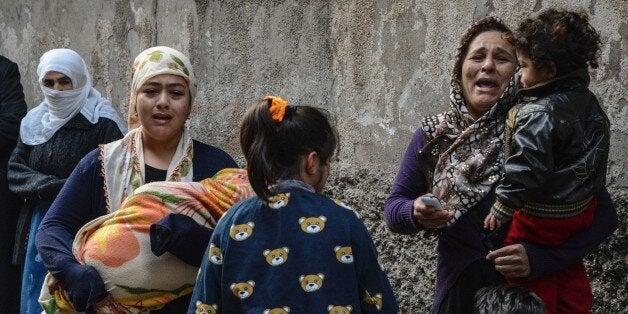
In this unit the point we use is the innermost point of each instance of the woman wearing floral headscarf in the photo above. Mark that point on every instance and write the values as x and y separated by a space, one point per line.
457 156
72 120
159 149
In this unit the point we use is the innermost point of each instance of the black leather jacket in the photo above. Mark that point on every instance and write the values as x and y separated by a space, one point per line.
556 149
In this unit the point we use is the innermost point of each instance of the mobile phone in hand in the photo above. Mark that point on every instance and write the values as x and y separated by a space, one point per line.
431 200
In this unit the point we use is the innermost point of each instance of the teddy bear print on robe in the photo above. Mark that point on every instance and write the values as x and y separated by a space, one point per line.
338 309
312 225
344 254
241 232
279 200
278 310
215 256
202 308
311 283
242 290
276 257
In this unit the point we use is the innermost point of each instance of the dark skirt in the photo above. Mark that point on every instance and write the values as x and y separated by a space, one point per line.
461 296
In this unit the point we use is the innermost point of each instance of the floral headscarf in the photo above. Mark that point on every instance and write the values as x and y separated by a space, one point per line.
123 160
471 163
155 61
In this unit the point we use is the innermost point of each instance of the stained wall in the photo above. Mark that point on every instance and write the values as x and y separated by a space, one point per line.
377 66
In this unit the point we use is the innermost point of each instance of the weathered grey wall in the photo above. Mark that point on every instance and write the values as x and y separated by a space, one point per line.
378 66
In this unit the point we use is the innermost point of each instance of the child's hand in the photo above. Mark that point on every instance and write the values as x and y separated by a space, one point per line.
491 222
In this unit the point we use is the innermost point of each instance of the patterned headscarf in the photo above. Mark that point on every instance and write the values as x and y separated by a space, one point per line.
123 160
471 162
155 61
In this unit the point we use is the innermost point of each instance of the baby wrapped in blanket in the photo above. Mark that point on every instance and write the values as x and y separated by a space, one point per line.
118 245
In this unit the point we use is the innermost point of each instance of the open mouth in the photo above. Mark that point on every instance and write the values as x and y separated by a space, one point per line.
486 83
161 116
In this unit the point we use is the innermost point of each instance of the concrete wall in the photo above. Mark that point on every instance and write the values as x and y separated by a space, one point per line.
378 66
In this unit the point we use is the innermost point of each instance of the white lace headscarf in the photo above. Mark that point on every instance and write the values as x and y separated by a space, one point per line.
58 107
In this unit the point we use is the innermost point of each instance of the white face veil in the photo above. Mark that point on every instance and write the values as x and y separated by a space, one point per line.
58 107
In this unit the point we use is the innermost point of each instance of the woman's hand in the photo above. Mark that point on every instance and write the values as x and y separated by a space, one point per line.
429 216
511 261
108 305
491 222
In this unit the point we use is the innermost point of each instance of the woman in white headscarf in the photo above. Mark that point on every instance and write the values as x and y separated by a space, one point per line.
159 148
72 120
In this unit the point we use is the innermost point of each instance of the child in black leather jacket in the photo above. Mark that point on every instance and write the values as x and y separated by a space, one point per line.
556 149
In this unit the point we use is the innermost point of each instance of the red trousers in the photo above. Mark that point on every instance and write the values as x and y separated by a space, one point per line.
567 291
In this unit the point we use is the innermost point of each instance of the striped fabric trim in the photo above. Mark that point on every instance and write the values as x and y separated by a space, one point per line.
501 211
557 211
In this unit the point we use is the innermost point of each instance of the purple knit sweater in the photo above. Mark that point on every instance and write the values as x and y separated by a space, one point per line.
466 241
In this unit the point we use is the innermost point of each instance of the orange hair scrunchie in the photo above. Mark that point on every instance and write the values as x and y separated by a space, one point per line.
277 107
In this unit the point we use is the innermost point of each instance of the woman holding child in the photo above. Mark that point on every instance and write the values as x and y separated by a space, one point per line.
458 157
160 149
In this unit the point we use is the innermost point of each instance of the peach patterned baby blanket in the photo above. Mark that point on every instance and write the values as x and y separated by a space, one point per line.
118 246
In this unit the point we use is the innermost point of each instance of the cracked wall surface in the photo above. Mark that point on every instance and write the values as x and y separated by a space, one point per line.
377 66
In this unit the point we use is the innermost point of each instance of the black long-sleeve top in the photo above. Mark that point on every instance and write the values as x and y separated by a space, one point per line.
40 170
37 173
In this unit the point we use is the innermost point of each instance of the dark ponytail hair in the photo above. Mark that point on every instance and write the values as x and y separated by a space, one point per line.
560 38
274 150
